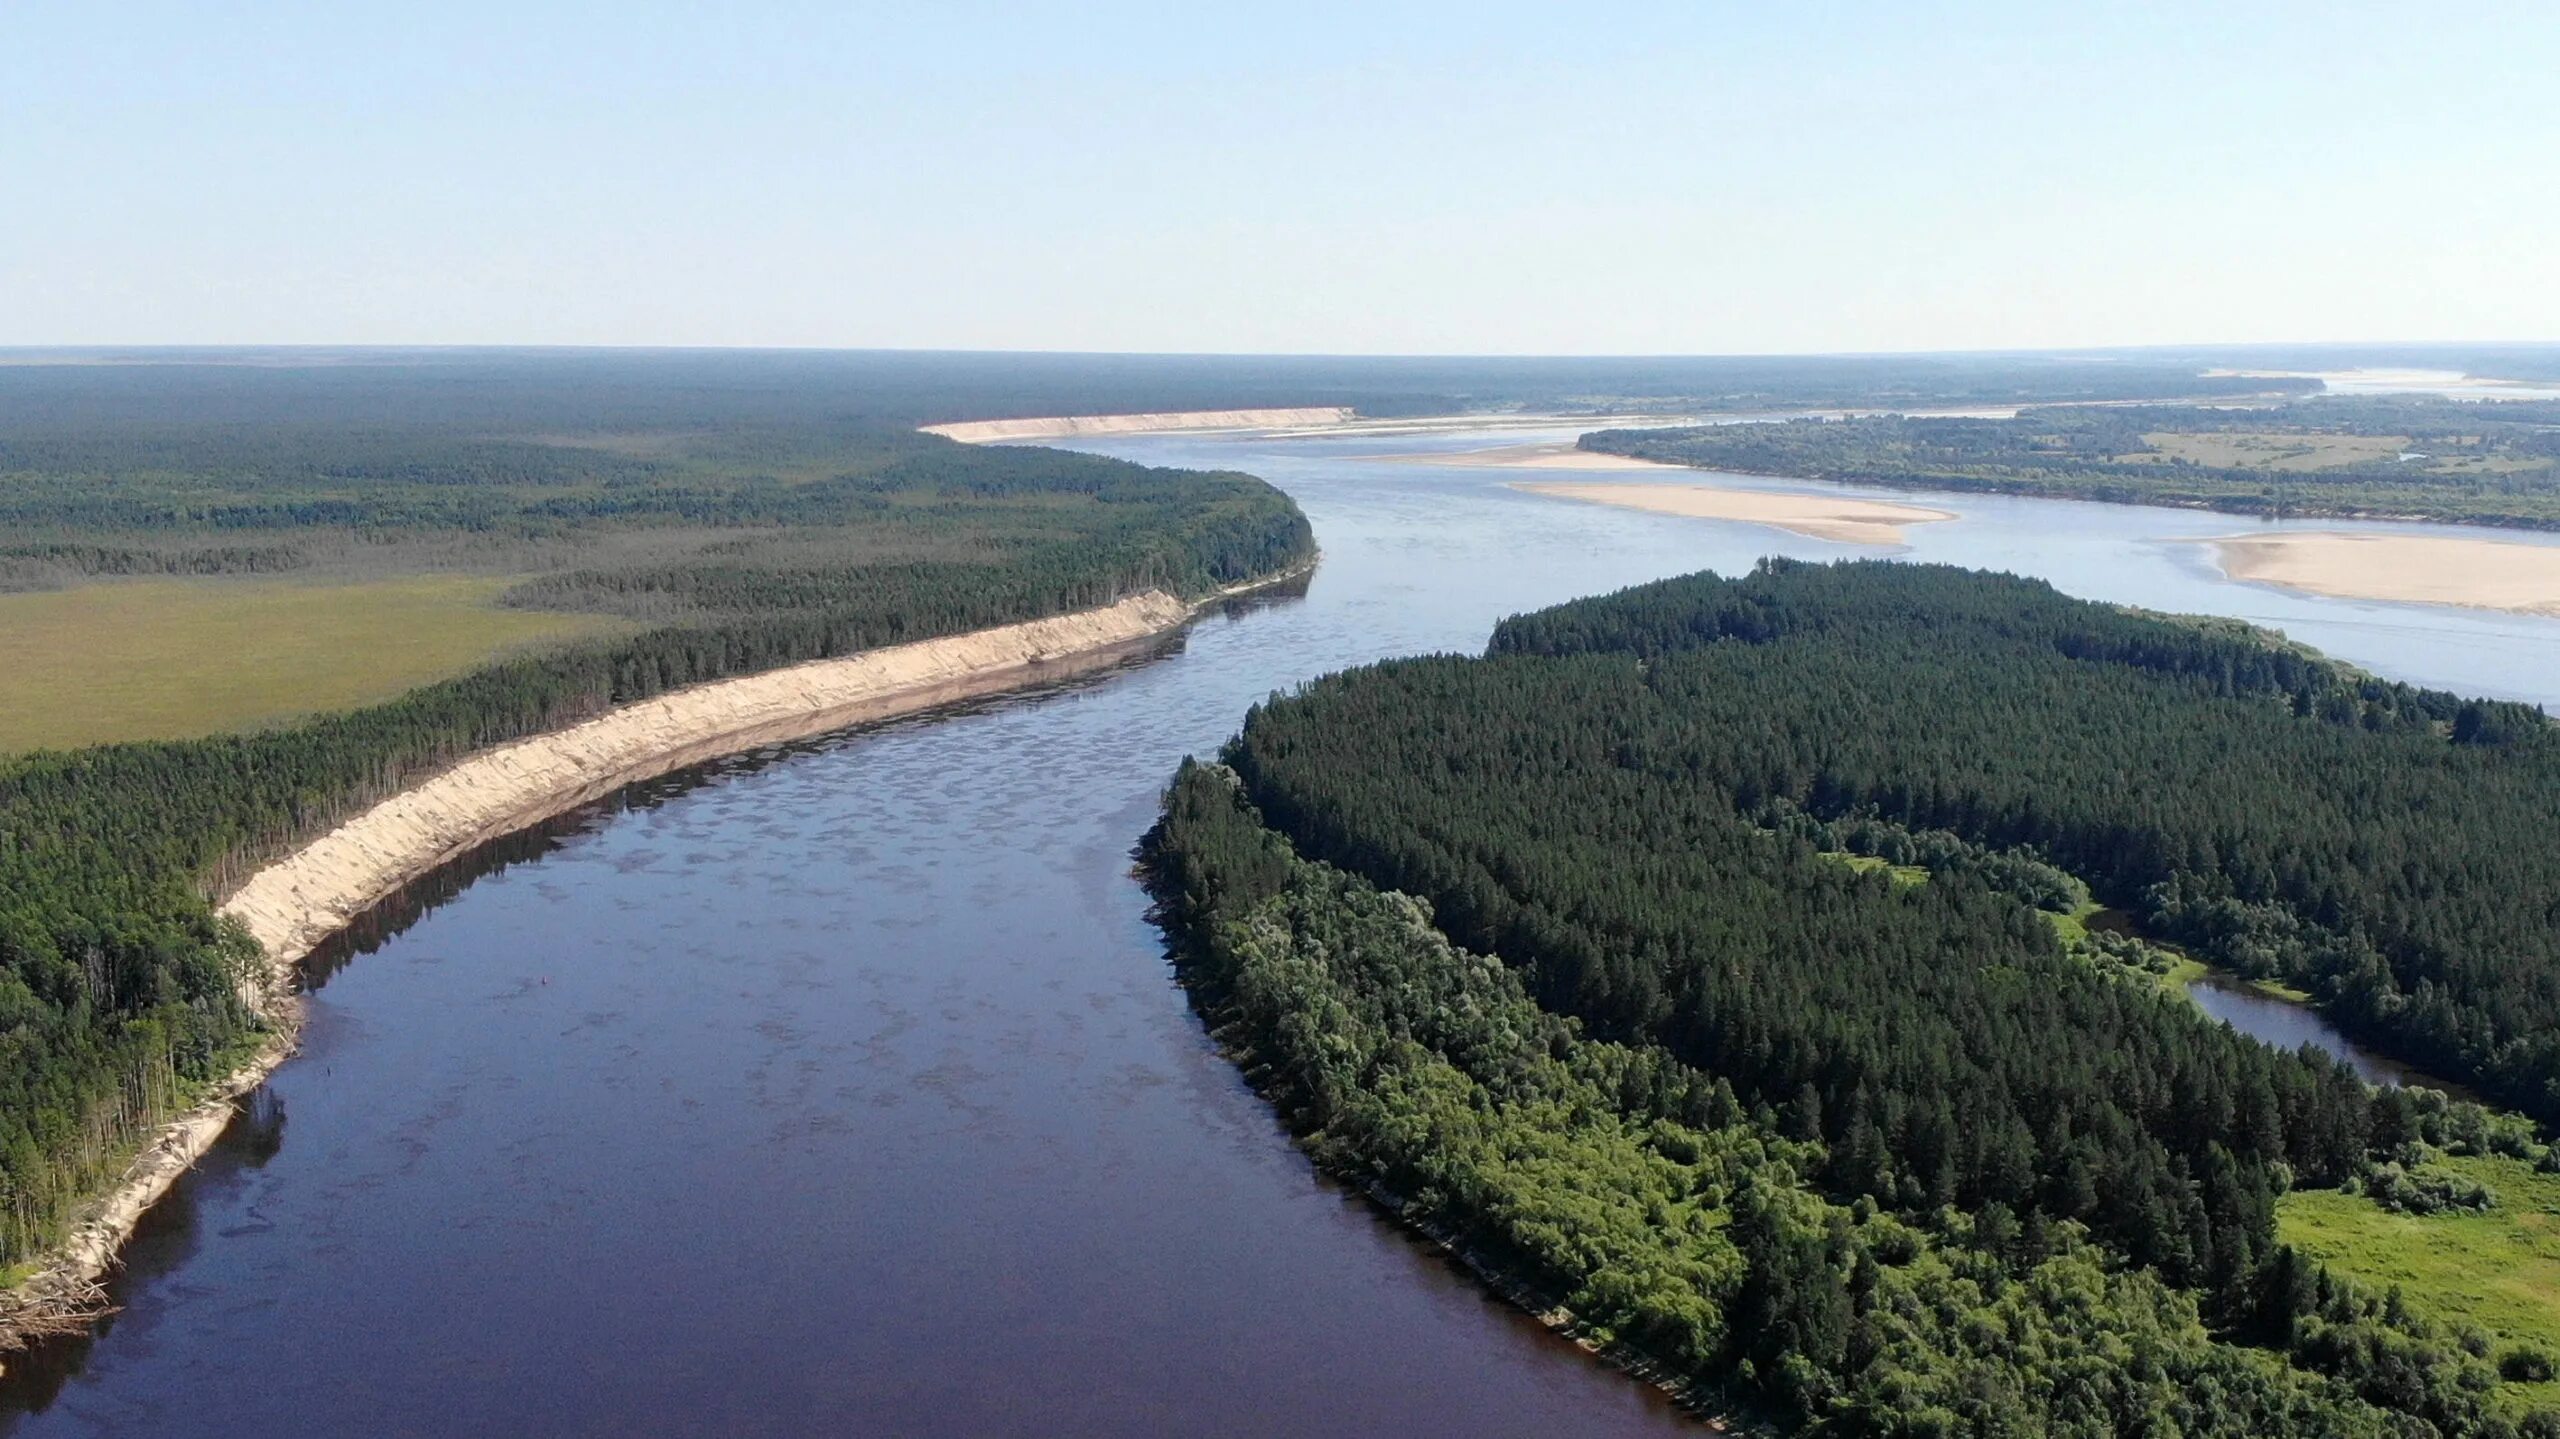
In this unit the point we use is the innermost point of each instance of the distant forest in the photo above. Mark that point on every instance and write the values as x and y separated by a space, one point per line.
1768 970
2468 462
623 391
737 529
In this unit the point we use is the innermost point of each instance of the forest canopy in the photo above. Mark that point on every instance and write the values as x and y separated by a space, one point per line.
725 530
1800 1128
2477 462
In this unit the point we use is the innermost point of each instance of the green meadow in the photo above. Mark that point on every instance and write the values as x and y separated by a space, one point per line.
172 659
2497 1271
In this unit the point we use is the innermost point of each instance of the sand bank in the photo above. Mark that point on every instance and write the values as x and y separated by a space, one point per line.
1056 427
1824 517
1556 456
2414 569
293 904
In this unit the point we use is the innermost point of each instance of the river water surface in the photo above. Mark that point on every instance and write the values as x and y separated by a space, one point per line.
843 1088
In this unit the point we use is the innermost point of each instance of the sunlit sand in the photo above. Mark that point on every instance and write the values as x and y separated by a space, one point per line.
2416 569
1824 517
1555 456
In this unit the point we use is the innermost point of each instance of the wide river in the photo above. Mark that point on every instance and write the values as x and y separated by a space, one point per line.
843 1088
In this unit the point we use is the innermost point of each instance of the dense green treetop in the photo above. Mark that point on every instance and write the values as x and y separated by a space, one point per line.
736 531
2495 463
1652 805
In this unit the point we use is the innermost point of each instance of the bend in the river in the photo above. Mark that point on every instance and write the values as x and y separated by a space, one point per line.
845 1086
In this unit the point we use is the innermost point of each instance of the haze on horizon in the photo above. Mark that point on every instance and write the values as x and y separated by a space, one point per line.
1652 178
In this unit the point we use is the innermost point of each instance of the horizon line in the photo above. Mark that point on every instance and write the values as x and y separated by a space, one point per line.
23 353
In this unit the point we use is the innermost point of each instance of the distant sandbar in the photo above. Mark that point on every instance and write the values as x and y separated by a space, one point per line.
1058 427
2408 569
1824 517
1552 456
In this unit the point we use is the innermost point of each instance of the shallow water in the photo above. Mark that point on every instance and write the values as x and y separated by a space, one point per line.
844 1087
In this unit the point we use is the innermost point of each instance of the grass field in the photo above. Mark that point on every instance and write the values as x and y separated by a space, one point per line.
1902 873
2306 452
2074 927
2275 450
163 659
2498 1271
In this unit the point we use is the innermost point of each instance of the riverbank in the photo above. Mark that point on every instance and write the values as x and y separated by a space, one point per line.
1552 456
289 907
1059 427
2408 569
1822 517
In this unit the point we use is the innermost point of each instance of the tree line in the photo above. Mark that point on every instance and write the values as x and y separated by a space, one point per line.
119 987
2371 842
1694 1237
1635 801
2487 463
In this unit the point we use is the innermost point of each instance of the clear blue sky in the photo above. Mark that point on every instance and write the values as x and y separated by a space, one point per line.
1305 177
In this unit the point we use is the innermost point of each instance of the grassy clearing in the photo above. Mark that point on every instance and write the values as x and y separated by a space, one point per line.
2073 928
2184 968
2182 975
2498 1271
166 659
1902 873
2309 452
2285 992
2297 451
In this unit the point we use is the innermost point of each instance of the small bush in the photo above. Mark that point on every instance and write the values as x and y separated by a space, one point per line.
2525 1364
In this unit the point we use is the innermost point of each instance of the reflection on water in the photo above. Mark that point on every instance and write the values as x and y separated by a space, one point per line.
843 1087
2287 1025
167 1237
393 914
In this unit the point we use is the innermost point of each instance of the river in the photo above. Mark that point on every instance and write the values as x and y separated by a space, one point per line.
843 1087
2287 1024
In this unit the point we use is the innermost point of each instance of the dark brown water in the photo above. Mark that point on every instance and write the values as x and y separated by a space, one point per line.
844 1089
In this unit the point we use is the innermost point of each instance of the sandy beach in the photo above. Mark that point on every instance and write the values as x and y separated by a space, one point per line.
2413 569
1562 455
1824 517
1059 427
295 903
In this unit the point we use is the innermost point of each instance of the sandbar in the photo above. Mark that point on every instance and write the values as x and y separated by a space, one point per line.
1552 456
2409 569
1059 427
1823 517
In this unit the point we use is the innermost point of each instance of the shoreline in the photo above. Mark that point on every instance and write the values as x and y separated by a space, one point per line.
1059 427
2504 576
295 903
1716 1411
1346 421
1553 456
2239 507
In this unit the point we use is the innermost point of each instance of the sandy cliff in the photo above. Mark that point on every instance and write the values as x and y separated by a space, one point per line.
300 900
292 905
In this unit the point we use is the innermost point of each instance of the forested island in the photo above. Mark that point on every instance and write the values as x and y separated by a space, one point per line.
2398 457
703 533
1778 975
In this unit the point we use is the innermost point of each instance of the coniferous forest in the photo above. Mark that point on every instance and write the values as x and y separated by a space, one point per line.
2493 463
727 515
731 533
1765 970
